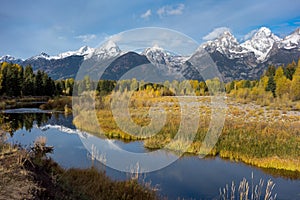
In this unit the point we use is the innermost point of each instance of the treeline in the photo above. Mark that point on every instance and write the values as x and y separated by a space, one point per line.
281 84
167 88
17 81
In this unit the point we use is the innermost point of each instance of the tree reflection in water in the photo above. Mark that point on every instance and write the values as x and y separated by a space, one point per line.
11 122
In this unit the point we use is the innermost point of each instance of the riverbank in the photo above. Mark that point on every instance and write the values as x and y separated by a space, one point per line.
59 103
22 102
254 134
62 103
32 175
15 182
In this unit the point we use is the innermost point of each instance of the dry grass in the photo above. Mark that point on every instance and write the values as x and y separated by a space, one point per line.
247 191
91 184
15 181
19 102
256 135
58 104
29 175
40 141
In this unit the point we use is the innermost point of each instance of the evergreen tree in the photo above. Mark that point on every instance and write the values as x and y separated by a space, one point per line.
20 80
13 80
50 87
271 86
1 81
28 83
58 89
17 81
232 86
290 70
270 71
44 84
247 84
38 82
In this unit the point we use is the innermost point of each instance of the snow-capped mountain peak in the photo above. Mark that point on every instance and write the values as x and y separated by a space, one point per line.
42 55
108 50
263 32
226 44
261 43
110 46
166 61
155 47
228 40
225 40
229 35
291 41
156 54
85 50
235 60
10 59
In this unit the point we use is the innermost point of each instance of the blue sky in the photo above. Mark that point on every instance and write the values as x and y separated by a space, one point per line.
33 26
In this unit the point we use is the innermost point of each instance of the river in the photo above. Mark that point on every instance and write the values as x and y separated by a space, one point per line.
189 177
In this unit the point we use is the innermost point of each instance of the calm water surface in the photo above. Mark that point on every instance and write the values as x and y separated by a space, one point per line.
189 177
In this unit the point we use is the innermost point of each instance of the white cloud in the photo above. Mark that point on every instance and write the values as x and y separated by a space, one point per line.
161 11
167 39
249 35
171 10
147 14
86 38
215 33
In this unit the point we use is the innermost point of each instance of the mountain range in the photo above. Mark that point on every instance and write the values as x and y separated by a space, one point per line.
234 59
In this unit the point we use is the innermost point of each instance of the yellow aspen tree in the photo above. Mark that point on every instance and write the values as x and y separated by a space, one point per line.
295 85
282 83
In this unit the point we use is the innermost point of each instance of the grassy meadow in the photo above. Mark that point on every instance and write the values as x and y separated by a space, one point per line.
254 134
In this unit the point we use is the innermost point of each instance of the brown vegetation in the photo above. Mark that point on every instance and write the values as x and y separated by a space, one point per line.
32 175
254 134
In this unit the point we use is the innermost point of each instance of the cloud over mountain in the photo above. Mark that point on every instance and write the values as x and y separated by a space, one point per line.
216 33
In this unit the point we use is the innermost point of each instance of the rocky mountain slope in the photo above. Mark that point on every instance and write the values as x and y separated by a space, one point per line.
234 60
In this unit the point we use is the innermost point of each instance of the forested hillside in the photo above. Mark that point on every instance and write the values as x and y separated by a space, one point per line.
16 81
279 86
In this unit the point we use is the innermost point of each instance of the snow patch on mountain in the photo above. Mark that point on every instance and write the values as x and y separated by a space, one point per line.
157 55
10 59
261 43
226 44
163 58
85 50
108 50
42 55
291 41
